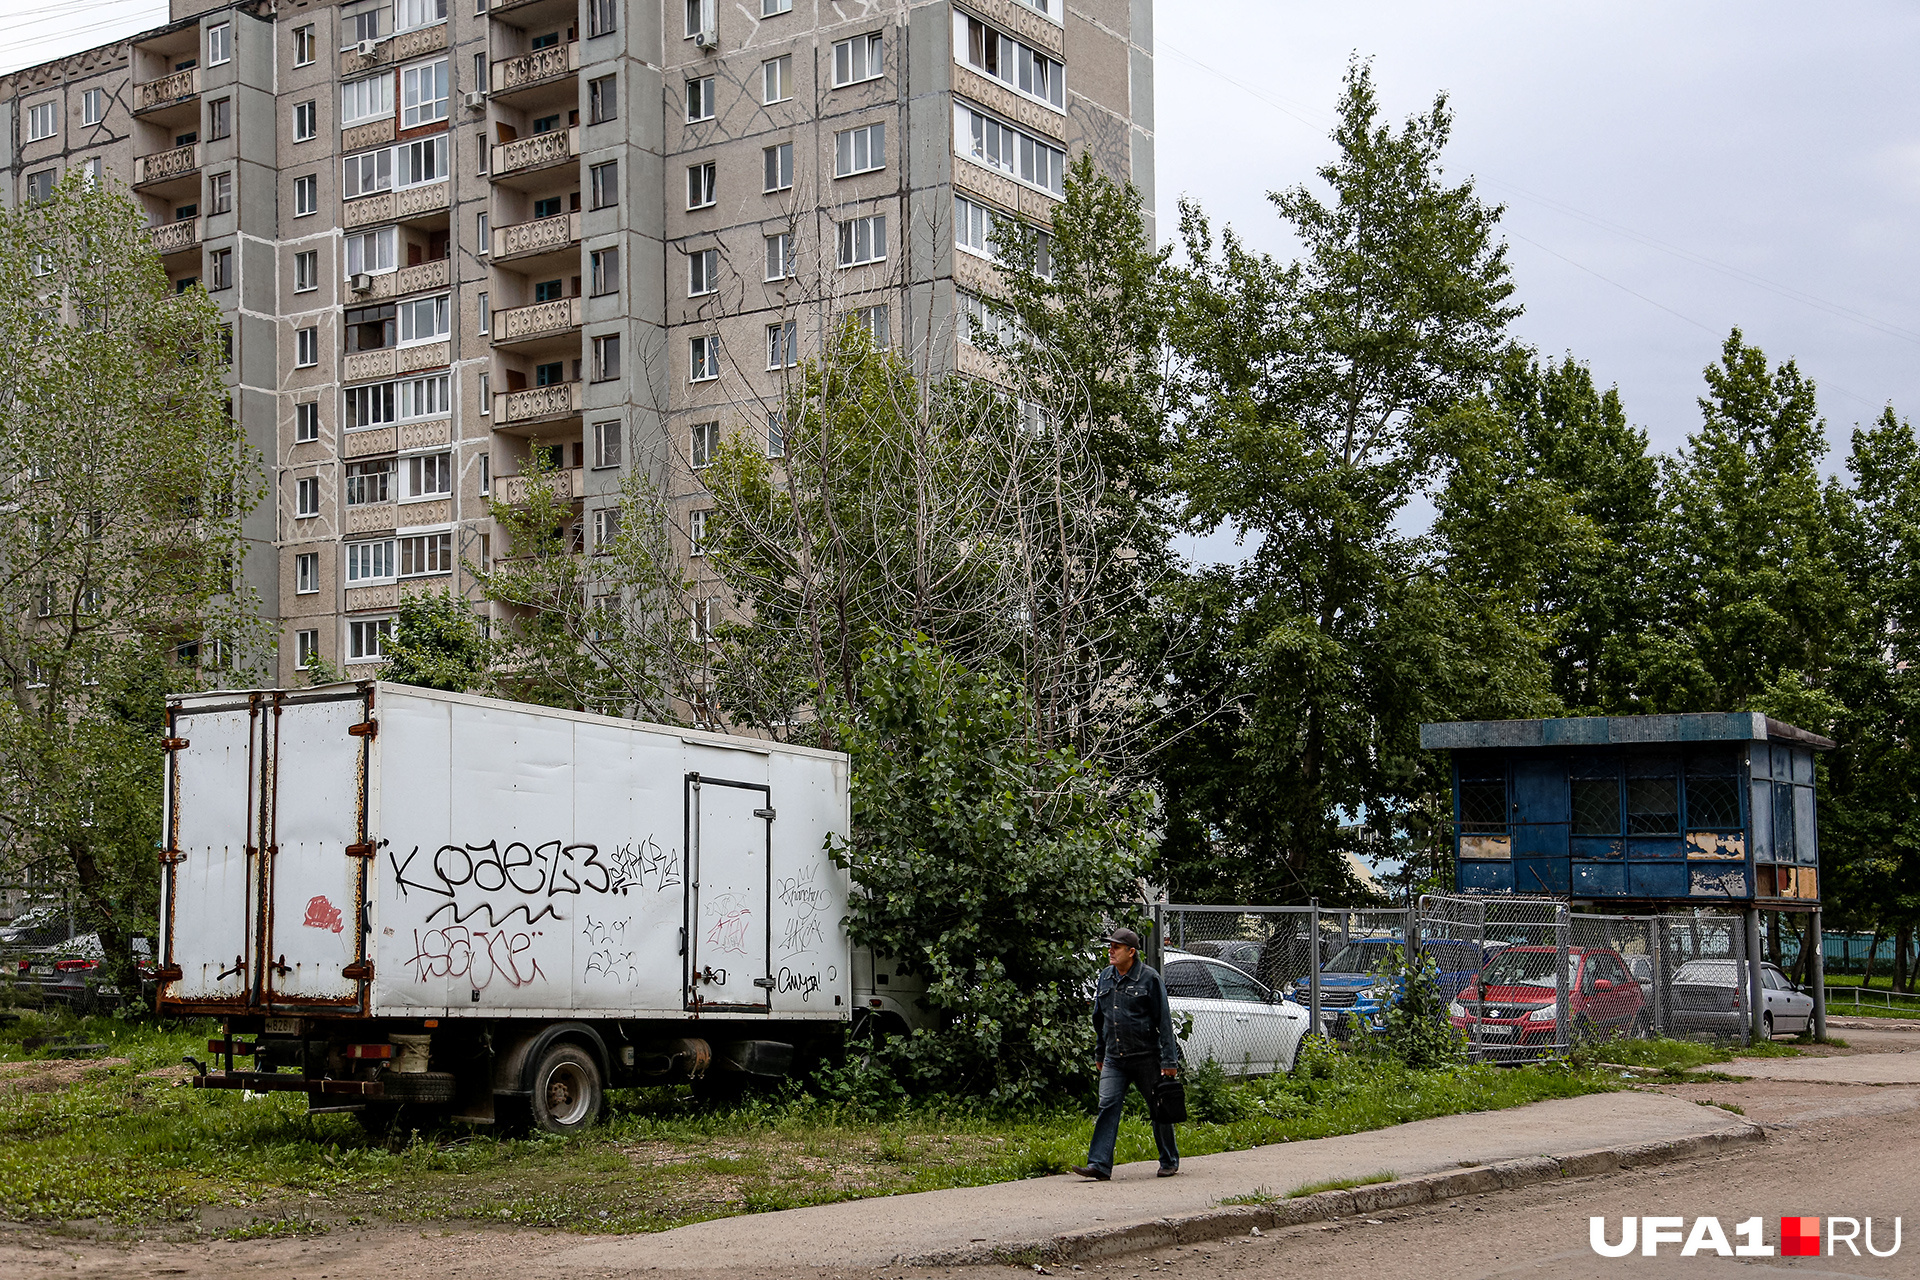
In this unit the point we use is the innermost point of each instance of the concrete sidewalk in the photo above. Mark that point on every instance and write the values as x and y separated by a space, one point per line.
978 1224
1902 1067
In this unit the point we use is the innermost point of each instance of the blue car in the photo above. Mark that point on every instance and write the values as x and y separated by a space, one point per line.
1348 983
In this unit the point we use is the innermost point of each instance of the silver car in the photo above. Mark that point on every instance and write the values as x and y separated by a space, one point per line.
1706 997
1237 1022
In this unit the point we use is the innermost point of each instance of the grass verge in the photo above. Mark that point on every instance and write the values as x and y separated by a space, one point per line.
1339 1184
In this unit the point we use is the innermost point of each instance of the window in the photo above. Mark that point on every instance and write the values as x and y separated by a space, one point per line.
547 207
603 100
306 271
219 44
367 639
306 422
40 187
779 256
704 446
777 162
220 193
369 328
605 181
364 100
42 120
703 272
703 358
548 291
700 186
781 344
423 94
410 15
1003 147
219 119
606 444
425 320
306 573
367 174
700 99
306 347
426 553
369 482
371 252
699 17
604 268
486 462
977 323
860 150
306 196
776 434
857 59
697 532
92 169
552 373
306 121
480 156
93 106
424 161
1018 66
606 528
306 497
768 8
480 230
863 240
1596 799
606 357
876 322
429 475
306 648
368 406
484 308
220 269
428 397
973 227
776 79
545 40
363 20
603 16
303 45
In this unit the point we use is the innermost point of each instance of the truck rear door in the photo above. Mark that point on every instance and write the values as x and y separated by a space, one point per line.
210 864
729 842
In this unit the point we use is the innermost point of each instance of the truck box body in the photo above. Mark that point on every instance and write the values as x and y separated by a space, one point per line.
384 851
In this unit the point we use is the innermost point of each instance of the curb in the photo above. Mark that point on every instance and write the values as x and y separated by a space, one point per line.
1324 1206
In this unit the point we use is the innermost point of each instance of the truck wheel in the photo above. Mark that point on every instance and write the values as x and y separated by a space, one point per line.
567 1090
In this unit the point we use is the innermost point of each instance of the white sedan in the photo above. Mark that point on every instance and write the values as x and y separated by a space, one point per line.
1237 1022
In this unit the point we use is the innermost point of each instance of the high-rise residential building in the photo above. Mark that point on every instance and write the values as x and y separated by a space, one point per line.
451 232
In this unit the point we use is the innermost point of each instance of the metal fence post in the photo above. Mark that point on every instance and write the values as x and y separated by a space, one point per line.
1563 931
1657 967
1155 956
1755 1027
1818 974
1313 966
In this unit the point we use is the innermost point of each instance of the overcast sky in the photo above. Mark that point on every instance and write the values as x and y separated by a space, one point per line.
1670 170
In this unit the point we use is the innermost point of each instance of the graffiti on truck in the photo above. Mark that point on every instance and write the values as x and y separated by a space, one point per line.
554 870
478 955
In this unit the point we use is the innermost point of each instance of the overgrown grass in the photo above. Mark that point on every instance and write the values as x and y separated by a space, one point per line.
1339 1184
118 1143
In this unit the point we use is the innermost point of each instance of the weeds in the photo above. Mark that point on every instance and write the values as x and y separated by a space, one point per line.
1339 1184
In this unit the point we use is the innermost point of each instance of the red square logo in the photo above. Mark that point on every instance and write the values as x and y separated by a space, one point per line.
1799 1237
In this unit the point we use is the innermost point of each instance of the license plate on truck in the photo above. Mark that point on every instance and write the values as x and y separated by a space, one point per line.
283 1026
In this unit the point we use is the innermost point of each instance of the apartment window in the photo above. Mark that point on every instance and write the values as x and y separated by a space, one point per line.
219 44
306 422
425 319
43 120
858 59
303 45
606 529
776 79
364 20
779 256
860 150
364 100
93 106
220 269
700 185
863 240
606 357
369 481
306 573
697 532
875 322
606 444
1017 65
603 100
424 161
484 307
776 434
423 94
605 181
370 328
553 373
367 639
604 265
306 271
92 169
40 187
699 17
306 497
1000 146
485 241
486 464
364 175
220 193
409 15
548 291
306 121
429 475
768 8
704 447
703 272
306 196
428 397
703 358
781 345
603 16
368 406
219 119
372 253
976 322
422 554
777 162
306 648
973 226
700 99
306 347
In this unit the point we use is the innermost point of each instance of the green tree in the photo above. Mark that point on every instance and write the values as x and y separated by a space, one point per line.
436 643
126 479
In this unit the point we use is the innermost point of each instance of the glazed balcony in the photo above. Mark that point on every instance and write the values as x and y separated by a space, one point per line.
536 153
565 485
516 410
557 318
168 166
167 91
542 66
175 237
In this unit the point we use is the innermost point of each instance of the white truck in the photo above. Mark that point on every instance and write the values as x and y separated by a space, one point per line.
394 896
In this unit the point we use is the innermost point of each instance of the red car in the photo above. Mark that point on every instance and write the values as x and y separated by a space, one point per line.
1512 1001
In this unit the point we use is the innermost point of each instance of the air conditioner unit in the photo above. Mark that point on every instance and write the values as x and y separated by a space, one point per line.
476 101
367 48
362 282
707 39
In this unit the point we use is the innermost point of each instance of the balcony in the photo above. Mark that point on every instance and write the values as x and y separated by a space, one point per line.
166 91
531 155
175 237
168 166
419 278
538 67
541 236
513 410
541 320
391 206
566 486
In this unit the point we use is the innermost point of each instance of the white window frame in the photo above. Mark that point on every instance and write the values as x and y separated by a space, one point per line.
876 321
426 106
305 45
776 433
219 44
607 442
372 99
413 15
773 8
996 138
439 146
860 241
306 573
483 310
604 358
697 532
776 80
703 358
703 444
368 173
603 272
699 99
220 192
423 397
425 546
606 529
93 106
783 343
859 60
306 498
381 631
860 150
306 347
779 262
306 649
703 272
306 195
776 168
370 562
369 405
306 120
385 242
43 120
973 227
1013 60
420 471
306 271
306 421
700 17
703 185
439 311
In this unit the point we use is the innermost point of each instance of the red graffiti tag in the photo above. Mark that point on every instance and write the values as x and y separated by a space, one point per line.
322 914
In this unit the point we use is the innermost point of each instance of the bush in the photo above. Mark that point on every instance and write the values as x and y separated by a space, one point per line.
1416 1028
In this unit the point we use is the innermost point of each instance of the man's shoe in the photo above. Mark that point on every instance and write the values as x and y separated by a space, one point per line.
1166 1172
1088 1171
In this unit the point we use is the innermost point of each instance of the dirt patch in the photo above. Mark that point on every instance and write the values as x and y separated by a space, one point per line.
46 1077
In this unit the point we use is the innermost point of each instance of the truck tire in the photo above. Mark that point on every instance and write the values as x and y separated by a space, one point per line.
418 1086
567 1090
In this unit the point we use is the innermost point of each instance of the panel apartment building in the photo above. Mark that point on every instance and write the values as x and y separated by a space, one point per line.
449 232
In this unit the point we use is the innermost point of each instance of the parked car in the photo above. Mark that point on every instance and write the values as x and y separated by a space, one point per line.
1237 1021
1242 953
1348 981
66 970
1706 998
1514 1000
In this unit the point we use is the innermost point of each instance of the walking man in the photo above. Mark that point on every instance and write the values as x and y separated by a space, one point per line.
1133 1044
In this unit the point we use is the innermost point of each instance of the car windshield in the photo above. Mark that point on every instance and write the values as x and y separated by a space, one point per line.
1358 957
1515 968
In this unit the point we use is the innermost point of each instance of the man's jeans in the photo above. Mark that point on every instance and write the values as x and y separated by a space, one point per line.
1143 1072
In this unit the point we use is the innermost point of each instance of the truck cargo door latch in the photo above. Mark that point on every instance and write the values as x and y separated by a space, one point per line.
362 849
173 744
358 969
764 982
766 813
365 729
